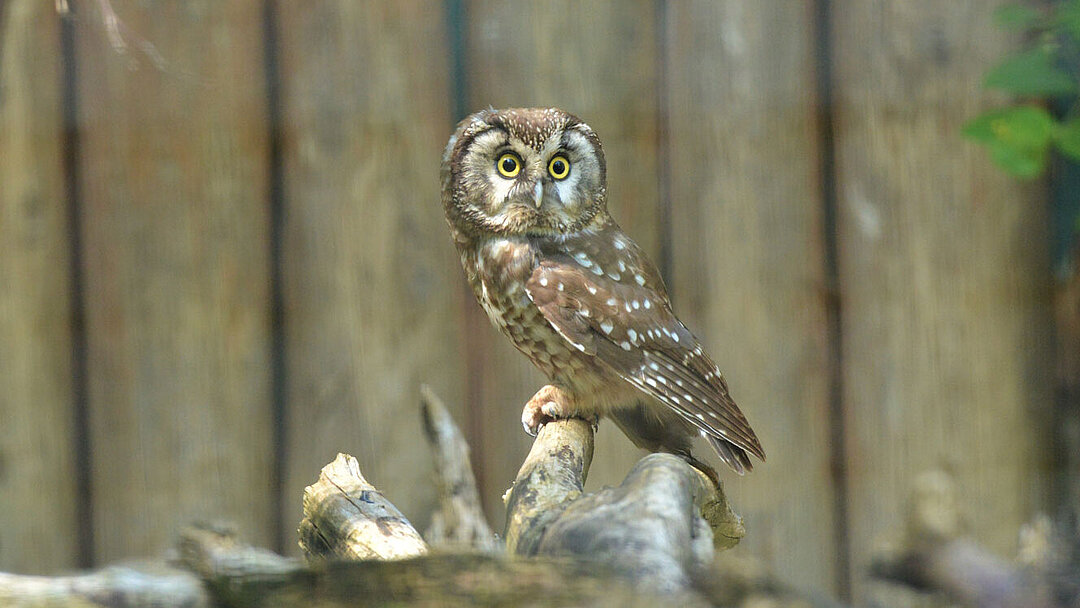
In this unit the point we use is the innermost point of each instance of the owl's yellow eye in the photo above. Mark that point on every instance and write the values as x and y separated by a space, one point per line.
509 165
559 167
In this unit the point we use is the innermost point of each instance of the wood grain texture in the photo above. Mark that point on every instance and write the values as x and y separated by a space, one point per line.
596 60
36 398
174 173
749 261
371 279
944 268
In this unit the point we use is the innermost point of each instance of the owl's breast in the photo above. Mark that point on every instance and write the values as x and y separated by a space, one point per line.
501 270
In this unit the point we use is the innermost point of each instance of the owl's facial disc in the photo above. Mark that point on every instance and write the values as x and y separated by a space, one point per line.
531 171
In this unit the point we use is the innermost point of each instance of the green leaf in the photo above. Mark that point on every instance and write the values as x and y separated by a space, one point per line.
1067 138
1018 138
1031 73
1016 16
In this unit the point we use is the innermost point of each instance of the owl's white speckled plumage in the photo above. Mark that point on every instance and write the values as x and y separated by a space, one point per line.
524 191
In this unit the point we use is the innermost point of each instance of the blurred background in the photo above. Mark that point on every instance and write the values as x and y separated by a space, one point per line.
223 259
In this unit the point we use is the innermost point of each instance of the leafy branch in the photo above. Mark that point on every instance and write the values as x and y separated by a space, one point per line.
1021 137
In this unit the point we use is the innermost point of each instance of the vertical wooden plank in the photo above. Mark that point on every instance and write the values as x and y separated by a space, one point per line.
597 60
748 256
36 434
371 279
944 273
176 263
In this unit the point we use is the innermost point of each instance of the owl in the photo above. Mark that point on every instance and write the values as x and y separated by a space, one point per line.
524 192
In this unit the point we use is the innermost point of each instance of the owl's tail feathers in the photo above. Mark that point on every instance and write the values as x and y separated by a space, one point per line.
732 455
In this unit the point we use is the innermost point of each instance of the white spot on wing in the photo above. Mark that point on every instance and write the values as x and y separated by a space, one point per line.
607 326
632 334
640 280
543 281
592 290
625 345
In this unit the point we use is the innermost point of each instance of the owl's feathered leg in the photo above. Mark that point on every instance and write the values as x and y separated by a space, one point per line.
549 403
658 429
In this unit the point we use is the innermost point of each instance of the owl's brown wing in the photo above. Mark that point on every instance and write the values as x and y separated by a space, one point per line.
630 327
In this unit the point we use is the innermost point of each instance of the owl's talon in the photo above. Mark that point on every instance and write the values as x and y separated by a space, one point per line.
594 422
548 404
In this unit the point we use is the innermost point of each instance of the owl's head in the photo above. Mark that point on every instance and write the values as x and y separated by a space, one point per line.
523 171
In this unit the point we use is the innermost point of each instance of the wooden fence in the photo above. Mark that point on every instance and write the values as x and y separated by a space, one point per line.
223 258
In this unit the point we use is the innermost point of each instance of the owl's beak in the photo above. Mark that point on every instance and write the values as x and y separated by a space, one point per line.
538 194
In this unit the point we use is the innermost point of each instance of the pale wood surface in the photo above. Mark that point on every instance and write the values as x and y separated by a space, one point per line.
459 521
173 165
36 415
371 279
749 261
943 267
596 60
347 518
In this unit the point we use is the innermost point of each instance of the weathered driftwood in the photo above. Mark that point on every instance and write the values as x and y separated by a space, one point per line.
119 586
345 517
459 521
552 476
659 528
240 575
934 556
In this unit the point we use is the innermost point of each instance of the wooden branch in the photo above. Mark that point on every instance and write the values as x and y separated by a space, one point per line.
460 520
934 557
241 575
345 517
552 476
113 587
648 530
658 528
